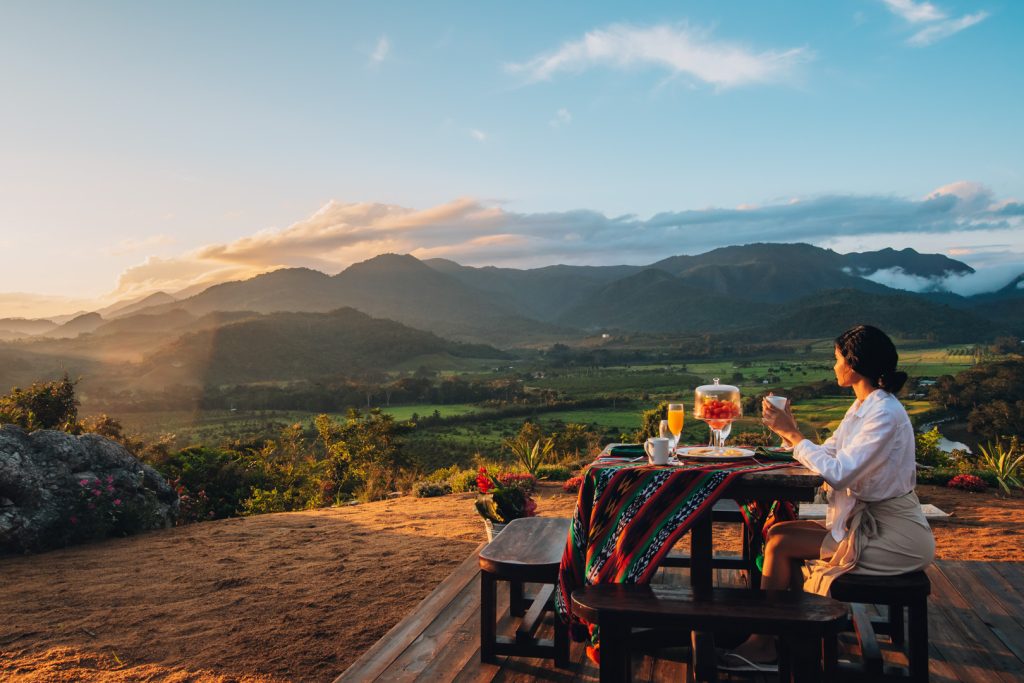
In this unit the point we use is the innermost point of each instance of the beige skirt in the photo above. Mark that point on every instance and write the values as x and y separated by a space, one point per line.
884 538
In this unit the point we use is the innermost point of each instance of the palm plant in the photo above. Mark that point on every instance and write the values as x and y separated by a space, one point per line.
1004 460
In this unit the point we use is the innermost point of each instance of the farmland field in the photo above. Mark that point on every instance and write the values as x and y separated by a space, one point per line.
635 388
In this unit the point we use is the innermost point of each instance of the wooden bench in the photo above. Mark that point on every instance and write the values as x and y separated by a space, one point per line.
528 550
806 624
902 593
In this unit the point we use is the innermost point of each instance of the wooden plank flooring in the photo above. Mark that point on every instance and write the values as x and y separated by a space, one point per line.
975 620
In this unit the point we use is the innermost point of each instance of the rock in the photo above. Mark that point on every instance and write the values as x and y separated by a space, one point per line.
47 478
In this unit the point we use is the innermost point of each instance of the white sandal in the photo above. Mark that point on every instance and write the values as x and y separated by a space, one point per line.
744 665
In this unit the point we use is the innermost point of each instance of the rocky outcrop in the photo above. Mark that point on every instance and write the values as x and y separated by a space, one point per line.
57 488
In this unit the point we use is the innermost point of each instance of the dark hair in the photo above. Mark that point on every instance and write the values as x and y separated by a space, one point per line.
871 353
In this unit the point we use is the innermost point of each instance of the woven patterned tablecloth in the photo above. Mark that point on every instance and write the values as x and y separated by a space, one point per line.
629 515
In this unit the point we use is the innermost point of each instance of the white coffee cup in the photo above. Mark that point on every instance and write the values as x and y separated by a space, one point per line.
778 401
657 449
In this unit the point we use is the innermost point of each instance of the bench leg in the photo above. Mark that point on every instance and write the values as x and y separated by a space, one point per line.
488 616
703 659
561 642
516 602
896 628
615 665
917 652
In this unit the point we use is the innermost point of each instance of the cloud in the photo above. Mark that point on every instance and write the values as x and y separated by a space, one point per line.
937 23
132 246
679 49
478 135
562 118
380 53
477 233
944 29
915 12
982 280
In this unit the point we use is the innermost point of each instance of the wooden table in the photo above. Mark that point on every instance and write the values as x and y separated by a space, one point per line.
793 484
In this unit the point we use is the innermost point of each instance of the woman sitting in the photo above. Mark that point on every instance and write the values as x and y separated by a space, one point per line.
873 523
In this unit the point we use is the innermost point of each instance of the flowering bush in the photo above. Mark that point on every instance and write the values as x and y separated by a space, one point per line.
572 485
102 510
526 482
501 503
967 482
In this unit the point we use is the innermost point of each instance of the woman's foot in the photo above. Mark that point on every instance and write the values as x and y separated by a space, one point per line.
757 648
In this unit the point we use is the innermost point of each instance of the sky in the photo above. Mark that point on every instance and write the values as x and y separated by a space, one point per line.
164 146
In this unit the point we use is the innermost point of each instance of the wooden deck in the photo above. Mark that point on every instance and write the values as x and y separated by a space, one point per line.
975 620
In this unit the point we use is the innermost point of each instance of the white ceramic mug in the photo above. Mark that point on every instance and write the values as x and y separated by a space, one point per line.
778 401
657 449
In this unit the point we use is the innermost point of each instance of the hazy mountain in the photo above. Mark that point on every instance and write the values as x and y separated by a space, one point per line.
82 324
655 301
900 314
397 287
290 346
541 293
788 272
125 308
403 288
146 323
17 328
907 260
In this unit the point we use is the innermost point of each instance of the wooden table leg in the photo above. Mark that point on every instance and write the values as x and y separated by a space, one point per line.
488 615
701 573
705 668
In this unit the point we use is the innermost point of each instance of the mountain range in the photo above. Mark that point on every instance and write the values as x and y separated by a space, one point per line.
754 292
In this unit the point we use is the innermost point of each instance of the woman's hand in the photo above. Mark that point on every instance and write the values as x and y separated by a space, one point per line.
781 422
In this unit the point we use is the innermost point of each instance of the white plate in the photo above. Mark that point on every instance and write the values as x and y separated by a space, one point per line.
707 453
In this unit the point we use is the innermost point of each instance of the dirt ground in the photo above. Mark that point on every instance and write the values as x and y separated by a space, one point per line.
296 596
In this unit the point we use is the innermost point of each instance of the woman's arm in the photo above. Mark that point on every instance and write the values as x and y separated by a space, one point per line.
861 456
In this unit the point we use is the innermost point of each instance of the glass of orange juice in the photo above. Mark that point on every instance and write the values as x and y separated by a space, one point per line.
675 421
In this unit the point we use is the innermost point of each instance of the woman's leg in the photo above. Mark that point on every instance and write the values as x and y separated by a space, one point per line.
786 541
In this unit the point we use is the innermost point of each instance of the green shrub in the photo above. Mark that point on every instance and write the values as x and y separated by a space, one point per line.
940 476
443 475
927 448
429 489
263 501
463 481
554 472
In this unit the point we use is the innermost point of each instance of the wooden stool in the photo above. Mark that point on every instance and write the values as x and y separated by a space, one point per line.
528 550
806 624
901 592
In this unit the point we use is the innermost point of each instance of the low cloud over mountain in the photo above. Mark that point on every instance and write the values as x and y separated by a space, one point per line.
479 233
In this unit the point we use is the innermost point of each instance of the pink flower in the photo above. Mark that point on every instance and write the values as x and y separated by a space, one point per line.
110 479
83 482
96 492
110 489
73 519
117 501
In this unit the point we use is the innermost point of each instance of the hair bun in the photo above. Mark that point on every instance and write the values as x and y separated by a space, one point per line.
892 381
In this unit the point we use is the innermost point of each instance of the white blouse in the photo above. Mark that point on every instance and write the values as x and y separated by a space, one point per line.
870 457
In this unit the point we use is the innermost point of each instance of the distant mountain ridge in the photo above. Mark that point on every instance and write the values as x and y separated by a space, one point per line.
737 287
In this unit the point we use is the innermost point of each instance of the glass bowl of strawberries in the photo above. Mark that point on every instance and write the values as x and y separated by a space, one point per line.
718 405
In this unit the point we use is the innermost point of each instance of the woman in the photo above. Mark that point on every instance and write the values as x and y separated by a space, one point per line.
873 523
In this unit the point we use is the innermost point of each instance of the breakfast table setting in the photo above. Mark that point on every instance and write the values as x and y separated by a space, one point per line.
636 501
